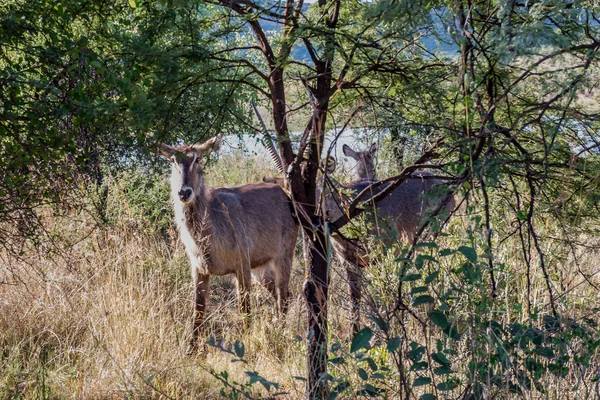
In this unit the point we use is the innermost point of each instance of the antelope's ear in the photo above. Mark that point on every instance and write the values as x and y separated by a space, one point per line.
166 151
348 152
373 149
212 144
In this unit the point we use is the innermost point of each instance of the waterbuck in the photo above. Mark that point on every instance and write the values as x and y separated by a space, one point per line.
245 230
398 214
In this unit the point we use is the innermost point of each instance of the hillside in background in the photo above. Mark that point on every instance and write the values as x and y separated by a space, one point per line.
438 41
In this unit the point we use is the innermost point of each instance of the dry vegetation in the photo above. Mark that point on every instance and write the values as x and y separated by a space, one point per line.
107 313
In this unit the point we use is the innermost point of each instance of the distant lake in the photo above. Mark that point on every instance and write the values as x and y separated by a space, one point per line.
358 139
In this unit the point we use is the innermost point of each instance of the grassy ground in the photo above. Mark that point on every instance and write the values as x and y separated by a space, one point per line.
105 313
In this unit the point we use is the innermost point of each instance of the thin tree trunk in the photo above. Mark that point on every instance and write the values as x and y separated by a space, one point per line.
315 290
316 284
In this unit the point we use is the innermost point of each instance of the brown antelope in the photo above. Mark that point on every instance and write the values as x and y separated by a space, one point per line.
245 230
399 213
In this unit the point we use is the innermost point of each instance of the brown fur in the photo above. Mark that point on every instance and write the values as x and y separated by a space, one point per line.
401 211
242 230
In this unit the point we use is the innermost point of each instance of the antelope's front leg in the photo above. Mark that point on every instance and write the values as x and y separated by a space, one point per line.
201 287
354 275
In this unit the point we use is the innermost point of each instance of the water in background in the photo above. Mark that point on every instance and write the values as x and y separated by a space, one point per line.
357 139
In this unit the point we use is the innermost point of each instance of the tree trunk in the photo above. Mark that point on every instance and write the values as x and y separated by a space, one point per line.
316 284
315 290
303 182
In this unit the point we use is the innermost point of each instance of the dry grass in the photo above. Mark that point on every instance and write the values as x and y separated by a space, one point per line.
116 325
110 316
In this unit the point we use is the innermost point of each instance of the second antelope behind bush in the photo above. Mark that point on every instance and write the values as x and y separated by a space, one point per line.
242 230
400 213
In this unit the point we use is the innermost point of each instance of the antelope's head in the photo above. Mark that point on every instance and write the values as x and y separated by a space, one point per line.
187 166
365 167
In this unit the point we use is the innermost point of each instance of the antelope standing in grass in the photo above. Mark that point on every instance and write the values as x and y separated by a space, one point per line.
245 230
398 213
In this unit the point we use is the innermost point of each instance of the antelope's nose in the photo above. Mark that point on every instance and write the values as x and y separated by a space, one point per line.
185 194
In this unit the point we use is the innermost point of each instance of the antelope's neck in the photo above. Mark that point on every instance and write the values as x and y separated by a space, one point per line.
193 218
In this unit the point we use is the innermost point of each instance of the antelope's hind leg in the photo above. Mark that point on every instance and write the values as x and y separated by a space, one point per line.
244 286
282 270
266 277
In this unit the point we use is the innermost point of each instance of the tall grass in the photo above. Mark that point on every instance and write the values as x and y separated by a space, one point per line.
105 311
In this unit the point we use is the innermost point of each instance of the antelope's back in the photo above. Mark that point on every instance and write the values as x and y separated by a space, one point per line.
405 206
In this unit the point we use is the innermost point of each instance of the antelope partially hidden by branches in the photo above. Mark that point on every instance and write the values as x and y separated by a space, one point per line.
399 213
245 230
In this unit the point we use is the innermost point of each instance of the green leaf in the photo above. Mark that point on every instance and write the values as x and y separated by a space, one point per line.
254 377
370 390
421 258
361 340
393 344
443 370
431 277
448 385
419 289
239 348
371 363
425 299
363 374
438 318
440 358
427 396
560 370
446 252
132 3
469 253
142 93
419 366
421 381
336 360
544 351
340 388
381 323
452 332
416 352
411 277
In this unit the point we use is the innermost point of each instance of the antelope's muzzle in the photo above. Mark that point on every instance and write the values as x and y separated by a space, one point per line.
185 194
